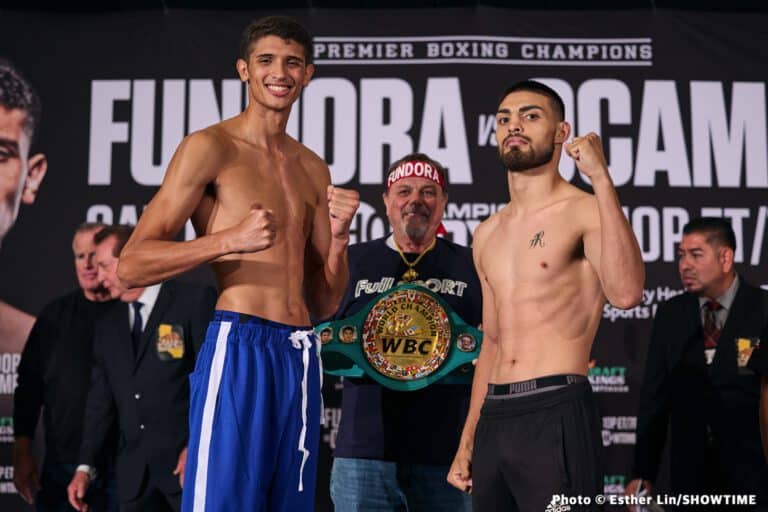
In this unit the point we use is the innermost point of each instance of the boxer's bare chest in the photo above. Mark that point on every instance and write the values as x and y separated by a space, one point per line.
532 251
281 184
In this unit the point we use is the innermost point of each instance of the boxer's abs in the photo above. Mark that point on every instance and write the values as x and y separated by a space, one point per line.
270 295
268 284
545 331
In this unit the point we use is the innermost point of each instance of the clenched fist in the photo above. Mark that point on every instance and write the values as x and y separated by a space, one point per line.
342 205
587 152
460 474
256 232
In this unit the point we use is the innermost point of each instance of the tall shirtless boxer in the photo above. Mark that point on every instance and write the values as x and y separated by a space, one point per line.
547 263
260 203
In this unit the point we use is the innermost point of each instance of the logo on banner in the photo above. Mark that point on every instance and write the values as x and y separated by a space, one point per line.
331 421
614 484
332 415
619 430
555 506
9 362
607 379
483 50
6 429
6 480
646 310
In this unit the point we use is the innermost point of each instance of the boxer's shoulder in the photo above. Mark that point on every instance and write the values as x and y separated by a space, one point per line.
487 227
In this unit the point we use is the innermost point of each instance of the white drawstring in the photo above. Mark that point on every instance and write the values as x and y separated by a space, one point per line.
319 347
301 341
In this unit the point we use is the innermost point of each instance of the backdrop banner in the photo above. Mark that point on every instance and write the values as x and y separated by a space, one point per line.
679 99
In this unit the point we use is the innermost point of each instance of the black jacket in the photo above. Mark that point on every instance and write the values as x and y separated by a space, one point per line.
55 372
147 393
712 411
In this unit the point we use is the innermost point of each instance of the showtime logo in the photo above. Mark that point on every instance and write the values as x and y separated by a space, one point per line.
619 430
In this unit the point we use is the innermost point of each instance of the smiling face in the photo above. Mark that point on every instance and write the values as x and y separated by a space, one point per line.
415 207
276 72
528 131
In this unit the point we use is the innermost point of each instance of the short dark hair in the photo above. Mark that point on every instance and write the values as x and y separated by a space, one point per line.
539 88
419 157
89 226
717 230
16 93
121 231
281 26
348 328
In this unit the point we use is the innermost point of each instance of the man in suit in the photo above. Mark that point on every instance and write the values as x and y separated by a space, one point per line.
696 375
144 351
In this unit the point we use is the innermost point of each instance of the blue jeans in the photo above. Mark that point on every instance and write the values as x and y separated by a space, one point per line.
381 486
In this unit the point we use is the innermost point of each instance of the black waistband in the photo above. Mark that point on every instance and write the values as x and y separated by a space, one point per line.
527 386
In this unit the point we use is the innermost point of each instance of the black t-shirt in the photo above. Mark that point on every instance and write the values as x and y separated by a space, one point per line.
424 426
54 374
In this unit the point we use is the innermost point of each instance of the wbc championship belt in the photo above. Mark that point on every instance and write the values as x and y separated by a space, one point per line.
405 339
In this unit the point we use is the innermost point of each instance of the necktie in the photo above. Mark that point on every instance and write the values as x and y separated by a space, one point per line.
711 330
137 325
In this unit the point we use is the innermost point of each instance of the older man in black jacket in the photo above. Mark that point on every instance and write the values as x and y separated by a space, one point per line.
54 375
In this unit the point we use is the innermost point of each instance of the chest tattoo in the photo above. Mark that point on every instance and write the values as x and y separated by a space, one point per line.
537 240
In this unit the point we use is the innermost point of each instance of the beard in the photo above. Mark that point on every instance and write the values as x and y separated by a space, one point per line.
417 224
516 160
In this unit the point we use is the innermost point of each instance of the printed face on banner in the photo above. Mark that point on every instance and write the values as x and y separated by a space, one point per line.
527 129
19 175
704 268
415 206
106 266
276 72
85 266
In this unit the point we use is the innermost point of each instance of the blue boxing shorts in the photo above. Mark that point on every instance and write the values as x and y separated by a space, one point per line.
254 419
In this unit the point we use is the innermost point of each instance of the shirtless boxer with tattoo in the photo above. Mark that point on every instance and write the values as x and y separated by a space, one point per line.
547 263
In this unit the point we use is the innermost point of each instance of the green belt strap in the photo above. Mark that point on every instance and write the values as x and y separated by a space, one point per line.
405 339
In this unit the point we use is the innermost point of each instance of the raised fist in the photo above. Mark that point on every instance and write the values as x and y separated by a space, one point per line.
587 152
342 205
